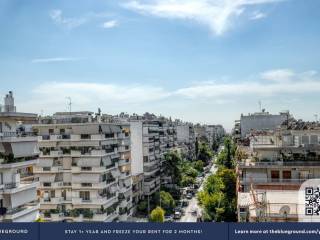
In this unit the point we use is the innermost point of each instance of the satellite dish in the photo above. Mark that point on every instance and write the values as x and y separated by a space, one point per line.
284 210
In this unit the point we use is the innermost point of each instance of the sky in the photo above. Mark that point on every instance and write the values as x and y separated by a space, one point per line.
203 61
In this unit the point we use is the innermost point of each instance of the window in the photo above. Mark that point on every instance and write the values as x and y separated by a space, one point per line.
286 175
47 184
274 176
62 131
85 136
85 195
86 184
51 131
109 135
86 168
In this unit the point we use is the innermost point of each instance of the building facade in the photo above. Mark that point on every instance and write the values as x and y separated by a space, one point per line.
261 121
18 156
84 168
276 165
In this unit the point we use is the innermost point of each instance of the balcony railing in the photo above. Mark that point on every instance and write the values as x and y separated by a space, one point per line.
272 180
280 163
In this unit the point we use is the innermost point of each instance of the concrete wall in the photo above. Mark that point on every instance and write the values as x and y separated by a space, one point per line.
136 148
260 122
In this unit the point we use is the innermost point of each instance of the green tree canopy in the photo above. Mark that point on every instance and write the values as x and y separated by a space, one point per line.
157 215
167 202
198 165
204 153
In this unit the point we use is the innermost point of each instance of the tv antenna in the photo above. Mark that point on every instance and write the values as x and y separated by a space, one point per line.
260 108
69 104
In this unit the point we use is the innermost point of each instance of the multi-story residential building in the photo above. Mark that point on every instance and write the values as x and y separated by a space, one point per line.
18 155
151 138
145 144
84 168
186 139
209 133
261 121
275 166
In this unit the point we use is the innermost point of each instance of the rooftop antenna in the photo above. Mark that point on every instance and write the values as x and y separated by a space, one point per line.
260 108
69 104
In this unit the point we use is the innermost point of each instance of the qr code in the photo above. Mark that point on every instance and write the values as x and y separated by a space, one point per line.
312 201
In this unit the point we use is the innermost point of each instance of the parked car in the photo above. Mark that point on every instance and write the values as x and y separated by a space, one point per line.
168 218
177 215
185 203
194 211
189 196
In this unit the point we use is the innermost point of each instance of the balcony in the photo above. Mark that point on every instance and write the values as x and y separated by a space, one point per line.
95 201
275 164
271 181
15 187
88 169
100 185
124 162
55 169
21 163
18 137
124 175
52 200
27 212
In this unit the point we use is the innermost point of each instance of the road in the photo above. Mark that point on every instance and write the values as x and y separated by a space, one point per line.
193 203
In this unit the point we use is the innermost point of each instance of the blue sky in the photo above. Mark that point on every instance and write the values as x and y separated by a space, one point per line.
204 61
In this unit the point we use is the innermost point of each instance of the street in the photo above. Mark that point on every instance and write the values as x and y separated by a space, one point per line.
189 215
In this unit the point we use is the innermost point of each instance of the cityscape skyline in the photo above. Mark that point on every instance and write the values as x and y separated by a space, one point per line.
119 55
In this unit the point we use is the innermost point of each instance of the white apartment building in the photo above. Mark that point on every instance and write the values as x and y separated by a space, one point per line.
18 155
278 163
261 121
151 138
145 145
84 168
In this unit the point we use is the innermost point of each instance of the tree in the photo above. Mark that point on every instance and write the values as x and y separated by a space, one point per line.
167 202
142 206
197 146
205 154
172 166
157 215
226 157
215 144
198 165
187 181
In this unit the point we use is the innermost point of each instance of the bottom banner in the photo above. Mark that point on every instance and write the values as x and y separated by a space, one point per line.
154 231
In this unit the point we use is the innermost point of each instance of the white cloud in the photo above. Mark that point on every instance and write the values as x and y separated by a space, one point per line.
57 16
110 24
280 81
278 75
56 59
306 82
92 92
257 15
217 14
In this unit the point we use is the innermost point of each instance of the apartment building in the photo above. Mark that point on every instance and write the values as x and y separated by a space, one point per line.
186 139
260 121
18 156
145 144
276 165
84 168
209 133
